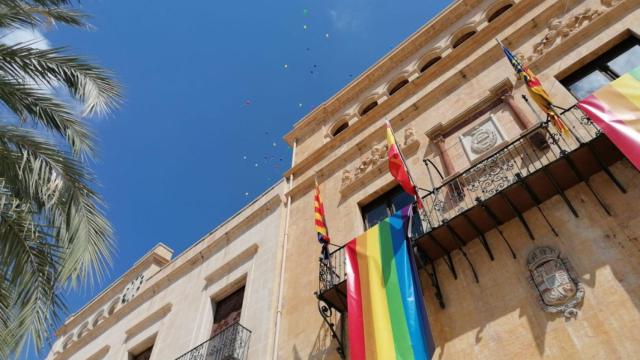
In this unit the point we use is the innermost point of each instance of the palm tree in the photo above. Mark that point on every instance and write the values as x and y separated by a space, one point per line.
53 234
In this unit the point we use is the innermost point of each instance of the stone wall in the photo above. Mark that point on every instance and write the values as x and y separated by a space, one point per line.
465 78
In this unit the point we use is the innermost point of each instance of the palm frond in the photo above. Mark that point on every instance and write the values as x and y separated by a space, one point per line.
60 188
31 103
90 84
29 264
15 13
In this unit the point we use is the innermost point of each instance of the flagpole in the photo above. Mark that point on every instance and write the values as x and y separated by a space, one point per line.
404 162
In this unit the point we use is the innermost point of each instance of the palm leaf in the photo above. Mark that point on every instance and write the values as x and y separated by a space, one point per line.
90 84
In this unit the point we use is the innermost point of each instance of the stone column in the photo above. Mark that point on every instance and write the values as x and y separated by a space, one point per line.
521 118
446 160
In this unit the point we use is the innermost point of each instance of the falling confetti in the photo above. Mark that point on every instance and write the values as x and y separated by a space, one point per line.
299 104
244 158
255 165
286 66
247 102
326 35
305 12
305 27
246 194
274 144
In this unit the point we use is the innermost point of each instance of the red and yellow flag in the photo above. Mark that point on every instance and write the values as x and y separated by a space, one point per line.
398 168
536 91
615 108
321 225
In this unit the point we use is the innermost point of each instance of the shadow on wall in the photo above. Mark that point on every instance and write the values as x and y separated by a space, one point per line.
324 346
603 250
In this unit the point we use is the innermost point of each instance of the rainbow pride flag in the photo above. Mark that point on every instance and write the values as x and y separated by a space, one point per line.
387 318
615 108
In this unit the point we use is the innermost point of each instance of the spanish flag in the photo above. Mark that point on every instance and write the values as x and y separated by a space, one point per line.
398 168
536 91
321 225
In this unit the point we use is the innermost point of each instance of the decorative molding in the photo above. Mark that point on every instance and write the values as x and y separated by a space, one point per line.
148 321
232 264
559 30
374 160
100 354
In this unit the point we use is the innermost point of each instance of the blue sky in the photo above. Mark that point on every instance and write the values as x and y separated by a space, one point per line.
206 86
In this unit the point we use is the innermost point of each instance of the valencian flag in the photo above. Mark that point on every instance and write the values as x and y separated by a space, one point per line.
398 168
387 318
615 108
321 224
536 91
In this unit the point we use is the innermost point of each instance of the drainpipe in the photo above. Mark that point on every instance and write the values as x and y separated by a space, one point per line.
283 263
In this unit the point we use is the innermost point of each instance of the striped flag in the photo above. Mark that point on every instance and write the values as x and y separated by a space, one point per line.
398 168
536 91
321 224
615 108
387 318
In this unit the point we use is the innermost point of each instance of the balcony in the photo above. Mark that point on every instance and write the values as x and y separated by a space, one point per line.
231 343
499 187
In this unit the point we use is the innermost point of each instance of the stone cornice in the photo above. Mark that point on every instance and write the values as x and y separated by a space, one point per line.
400 53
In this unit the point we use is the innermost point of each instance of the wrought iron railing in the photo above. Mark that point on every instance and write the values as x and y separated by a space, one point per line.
232 343
332 270
534 149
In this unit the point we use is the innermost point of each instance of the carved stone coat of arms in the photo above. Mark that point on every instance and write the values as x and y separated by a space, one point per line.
554 281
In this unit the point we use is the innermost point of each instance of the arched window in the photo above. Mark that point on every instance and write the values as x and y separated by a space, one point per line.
82 330
463 38
499 12
340 129
398 86
429 63
368 108
67 342
113 306
97 318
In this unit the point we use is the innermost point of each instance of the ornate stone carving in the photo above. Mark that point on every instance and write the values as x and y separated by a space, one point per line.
560 29
377 155
132 289
347 177
482 140
610 3
555 282
409 136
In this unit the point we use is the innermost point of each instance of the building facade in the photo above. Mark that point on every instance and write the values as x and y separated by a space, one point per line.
216 299
529 245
